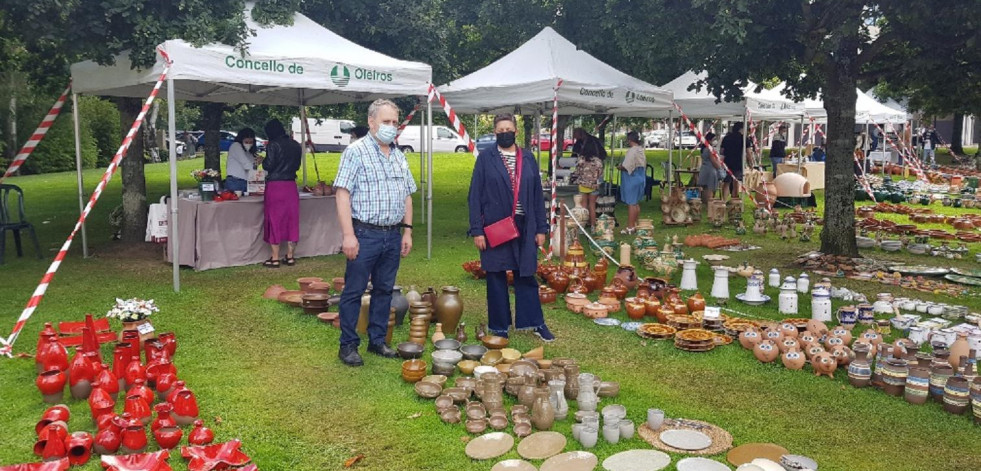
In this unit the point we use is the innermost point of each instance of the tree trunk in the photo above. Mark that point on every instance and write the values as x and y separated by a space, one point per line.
528 122
134 179
838 234
211 123
956 136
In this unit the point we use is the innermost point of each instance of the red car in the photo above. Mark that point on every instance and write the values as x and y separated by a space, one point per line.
546 140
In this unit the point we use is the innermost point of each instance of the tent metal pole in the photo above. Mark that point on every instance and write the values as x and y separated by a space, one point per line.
670 169
303 137
538 133
429 183
78 172
422 166
800 151
172 221
745 134
613 143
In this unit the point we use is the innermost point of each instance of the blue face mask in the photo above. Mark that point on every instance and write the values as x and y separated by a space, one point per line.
386 133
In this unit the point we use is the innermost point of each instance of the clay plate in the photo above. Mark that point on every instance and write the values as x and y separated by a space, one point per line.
489 446
541 445
700 464
513 465
293 298
746 453
637 460
686 439
571 461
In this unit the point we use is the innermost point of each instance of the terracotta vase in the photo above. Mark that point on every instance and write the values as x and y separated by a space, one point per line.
363 313
412 295
628 276
635 309
651 306
400 303
558 281
542 411
105 379
448 309
526 395
696 303
917 385
438 333
859 370
960 348
461 333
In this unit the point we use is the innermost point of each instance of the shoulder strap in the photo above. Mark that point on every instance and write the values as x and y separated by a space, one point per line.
517 181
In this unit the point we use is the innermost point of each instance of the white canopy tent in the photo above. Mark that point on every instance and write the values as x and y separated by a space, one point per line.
766 104
298 65
867 110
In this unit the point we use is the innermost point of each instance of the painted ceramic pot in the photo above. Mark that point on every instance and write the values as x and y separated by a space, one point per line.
788 344
773 334
806 339
766 351
859 370
872 336
696 303
956 395
575 302
635 309
843 332
168 437
894 373
793 359
813 350
917 385
134 438
202 435
52 385
847 316
976 399
824 364
789 330
546 295
651 306
164 418
749 338
832 342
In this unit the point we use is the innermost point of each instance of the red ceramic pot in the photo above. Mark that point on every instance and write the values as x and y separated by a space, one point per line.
200 435
81 374
134 371
155 351
164 418
106 380
156 461
57 465
107 440
109 421
42 337
56 413
217 456
121 356
158 368
79 448
165 385
51 356
52 438
139 388
134 437
168 437
170 342
185 406
138 408
52 385
100 403
131 338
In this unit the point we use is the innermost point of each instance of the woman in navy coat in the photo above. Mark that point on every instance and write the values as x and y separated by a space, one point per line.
492 199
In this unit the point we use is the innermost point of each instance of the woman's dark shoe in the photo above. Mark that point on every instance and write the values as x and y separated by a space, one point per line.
544 334
289 261
271 263
382 350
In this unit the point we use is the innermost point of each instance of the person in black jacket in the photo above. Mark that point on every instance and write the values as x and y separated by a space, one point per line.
282 199
778 148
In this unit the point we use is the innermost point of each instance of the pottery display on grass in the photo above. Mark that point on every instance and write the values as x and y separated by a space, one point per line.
586 398
859 370
824 364
448 308
400 304
793 359
766 351
959 348
956 398
917 388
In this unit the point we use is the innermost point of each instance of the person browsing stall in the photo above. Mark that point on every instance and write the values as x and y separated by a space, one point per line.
281 204
589 168
242 157
633 179
732 155
374 201
509 229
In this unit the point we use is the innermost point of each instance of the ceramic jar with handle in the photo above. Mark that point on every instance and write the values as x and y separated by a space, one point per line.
556 396
587 398
542 412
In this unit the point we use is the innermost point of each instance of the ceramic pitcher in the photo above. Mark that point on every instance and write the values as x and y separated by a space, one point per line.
542 412
557 397
588 387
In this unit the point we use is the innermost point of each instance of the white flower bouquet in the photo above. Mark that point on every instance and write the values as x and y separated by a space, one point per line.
206 175
132 310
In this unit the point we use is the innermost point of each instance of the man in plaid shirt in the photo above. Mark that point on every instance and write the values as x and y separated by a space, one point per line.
374 201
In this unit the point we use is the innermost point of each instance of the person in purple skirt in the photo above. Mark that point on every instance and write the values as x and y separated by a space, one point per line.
282 199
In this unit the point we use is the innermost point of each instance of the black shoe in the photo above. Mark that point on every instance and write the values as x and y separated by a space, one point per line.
383 350
349 355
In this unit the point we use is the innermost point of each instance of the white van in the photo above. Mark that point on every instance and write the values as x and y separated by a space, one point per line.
444 140
328 135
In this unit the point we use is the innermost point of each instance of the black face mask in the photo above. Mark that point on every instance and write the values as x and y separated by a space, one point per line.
505 139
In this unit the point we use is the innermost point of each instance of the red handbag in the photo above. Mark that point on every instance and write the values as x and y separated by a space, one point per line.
506 230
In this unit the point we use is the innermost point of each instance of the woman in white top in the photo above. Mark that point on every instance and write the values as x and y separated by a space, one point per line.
241 158
633 180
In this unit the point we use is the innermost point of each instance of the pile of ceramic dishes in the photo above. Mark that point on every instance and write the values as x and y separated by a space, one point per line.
614 427
787 463
655 331
695 340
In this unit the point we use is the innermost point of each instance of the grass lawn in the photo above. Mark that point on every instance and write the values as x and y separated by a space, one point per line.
271 374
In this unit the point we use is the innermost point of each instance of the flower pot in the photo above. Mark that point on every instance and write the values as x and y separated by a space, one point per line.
143 333
207 189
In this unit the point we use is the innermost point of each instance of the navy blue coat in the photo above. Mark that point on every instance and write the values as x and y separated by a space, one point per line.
491 199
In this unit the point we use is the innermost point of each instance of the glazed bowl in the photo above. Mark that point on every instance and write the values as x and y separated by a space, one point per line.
447 344
482 370
473 351
510 355
409 350
459 395
414 365
450 415
447 357
498 422
427 390
467 366
444 401
436 379
444 369
503 368
494 342
467 382
476 425
492 358
328 317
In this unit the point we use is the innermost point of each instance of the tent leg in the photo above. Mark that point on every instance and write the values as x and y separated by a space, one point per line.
303 137
429 182
172 221
78 172
422 165
667 173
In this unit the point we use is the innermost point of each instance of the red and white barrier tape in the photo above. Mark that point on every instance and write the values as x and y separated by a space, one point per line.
39 133
864 179
707 144
554 157
49 275
455 120
408 119
914 162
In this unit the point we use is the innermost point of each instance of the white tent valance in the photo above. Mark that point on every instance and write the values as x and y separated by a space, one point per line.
867 110
281 63
766 104
524 82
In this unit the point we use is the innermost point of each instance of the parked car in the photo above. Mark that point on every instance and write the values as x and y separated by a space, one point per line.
546 143
227 138
444 140
486 141
328 135
655 138
685 140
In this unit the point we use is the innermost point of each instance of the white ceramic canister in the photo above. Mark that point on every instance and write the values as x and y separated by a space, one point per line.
689 280
803 283
720 285
821 305
935 309
922 306
974 341
754 287
918 334
774 280
883 304
788 297
909 305
944 336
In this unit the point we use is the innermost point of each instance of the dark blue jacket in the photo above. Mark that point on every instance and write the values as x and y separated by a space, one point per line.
491 199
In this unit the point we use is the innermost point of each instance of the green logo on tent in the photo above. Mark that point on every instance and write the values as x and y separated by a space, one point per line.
630 96
340 75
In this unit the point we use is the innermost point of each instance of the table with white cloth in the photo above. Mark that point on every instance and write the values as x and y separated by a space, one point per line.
883 156
812 171
229 233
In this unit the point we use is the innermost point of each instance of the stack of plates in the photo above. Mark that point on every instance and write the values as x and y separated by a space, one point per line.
695 340
684 322
656 331
735 326
722 339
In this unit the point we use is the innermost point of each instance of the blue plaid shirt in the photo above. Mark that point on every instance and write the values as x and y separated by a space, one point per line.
378 185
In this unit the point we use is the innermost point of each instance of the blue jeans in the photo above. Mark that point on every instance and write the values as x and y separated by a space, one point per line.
527 306
378 258
929 156
775 161
236 184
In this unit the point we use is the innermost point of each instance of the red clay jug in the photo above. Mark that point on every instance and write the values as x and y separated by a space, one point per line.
200 435
52 355
164 418
51 383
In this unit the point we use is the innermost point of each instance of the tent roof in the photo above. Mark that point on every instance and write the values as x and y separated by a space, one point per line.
281 63
525 79
765 104
867 110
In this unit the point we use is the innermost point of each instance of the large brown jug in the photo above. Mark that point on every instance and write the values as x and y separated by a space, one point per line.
448 309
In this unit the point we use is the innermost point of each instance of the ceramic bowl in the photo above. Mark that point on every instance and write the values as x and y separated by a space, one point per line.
518 409
503 368
459 395
447 357
492 358
510 355
428 390
412 376
467 366
444 401
450 415
482 370
447 344
521 417
498 422
327 317
608 389
522 429
466 382
494 342
436 379
445 369
473 351
544 364
414 365
409 350
476 425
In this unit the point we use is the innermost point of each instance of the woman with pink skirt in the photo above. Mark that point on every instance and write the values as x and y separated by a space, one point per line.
282 199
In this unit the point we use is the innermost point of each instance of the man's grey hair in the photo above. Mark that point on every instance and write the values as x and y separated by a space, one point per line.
378 104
